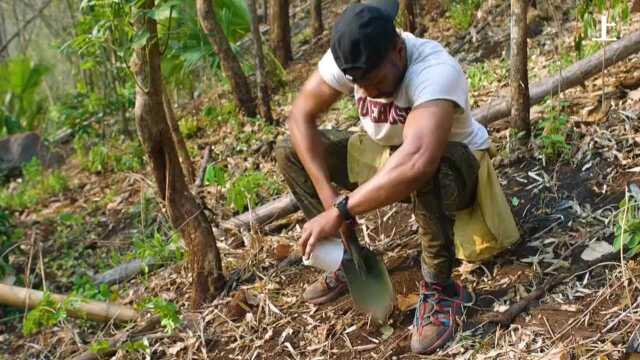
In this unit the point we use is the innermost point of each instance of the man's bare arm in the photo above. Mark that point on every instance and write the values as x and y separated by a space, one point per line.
425 138
315 97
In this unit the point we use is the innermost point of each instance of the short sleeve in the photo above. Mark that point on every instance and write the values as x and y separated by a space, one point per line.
441 81
331 73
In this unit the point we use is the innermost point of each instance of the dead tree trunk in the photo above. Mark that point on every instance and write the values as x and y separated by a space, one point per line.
280 31
183 153
317 27
519 72
407 15
184 212
264 99
228 60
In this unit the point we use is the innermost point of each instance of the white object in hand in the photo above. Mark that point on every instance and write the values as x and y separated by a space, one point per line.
326 255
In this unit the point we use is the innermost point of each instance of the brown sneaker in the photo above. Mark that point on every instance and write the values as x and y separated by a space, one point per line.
329 287
437 317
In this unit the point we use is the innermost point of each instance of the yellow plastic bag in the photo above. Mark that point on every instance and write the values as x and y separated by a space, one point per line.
481 231
488 227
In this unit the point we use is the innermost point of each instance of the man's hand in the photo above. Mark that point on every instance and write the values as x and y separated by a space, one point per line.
324 225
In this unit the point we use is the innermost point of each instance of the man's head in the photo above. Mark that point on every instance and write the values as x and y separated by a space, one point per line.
367 48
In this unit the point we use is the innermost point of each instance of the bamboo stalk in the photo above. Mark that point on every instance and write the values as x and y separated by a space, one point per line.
24 298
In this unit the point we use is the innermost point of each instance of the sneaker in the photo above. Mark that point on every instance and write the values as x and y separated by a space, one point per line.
329 287
437 317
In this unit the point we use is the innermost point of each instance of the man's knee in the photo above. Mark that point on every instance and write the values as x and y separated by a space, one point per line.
285 155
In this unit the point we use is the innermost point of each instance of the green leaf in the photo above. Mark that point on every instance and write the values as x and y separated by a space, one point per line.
215 175
140 39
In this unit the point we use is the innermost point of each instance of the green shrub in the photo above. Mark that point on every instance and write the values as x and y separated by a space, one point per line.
627 227
35 186
167 311
245 190
189 127
116 155
158 247
462 12
48 313
84 287
215 174
552 132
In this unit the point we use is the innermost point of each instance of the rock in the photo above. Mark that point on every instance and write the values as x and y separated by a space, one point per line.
16 150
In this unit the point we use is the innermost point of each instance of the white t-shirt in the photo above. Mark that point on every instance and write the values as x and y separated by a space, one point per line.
431 74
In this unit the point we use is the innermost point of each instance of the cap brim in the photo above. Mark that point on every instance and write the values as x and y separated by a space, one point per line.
390 7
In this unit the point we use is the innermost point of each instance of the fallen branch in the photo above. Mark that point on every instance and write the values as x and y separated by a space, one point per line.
203 167
271 211
570 77
506 318
262 215
124 272
115 342
23 298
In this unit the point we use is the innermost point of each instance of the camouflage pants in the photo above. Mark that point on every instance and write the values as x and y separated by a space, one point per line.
434 203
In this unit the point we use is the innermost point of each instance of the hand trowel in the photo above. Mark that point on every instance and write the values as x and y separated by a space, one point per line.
368 280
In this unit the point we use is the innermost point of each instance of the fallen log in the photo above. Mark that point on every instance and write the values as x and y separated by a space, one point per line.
262 215
570 77
23 298
271 211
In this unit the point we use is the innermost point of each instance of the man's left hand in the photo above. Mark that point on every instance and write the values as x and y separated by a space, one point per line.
320 227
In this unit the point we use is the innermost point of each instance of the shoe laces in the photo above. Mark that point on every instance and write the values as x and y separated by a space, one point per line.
434 307
335 278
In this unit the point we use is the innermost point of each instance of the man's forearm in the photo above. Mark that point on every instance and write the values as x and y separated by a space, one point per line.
307 142
404 172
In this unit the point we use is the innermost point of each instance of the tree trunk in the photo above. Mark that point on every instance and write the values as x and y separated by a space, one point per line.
183 153
519 72
265 11
317 27
280 31
635 6
184 212
228 60
264 99
407 15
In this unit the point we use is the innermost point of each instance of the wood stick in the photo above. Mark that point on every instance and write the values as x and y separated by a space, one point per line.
570 77
506 318
203 166
21 298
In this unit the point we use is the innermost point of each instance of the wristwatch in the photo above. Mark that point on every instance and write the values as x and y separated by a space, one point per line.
341 204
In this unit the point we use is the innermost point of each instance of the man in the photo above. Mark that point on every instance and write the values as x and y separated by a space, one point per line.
412 96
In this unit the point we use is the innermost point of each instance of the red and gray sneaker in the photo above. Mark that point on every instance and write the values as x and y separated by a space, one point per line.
329 287
437 317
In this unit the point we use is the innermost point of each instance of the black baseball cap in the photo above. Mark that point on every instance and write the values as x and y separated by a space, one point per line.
363 35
